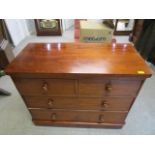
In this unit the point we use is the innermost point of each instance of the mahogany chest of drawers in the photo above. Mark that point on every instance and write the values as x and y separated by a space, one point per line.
80 84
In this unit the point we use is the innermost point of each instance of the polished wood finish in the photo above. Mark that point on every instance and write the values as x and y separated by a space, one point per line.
79 84
46 86
78 116
79 103
78 59
78 124
100 87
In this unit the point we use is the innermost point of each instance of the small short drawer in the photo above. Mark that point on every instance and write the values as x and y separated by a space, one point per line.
75 103
46 86
99 87
78 116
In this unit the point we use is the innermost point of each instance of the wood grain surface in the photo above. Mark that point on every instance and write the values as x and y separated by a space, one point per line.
79 58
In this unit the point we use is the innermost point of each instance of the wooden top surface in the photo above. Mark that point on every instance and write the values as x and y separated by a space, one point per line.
79 58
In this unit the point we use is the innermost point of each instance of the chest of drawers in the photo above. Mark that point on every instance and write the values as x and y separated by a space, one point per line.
78 84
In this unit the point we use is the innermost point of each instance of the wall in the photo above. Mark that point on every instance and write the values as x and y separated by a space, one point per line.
67 23
18 29
31 26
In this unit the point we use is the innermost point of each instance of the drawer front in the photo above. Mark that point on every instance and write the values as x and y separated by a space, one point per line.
108 87
78 116
46 86
104 104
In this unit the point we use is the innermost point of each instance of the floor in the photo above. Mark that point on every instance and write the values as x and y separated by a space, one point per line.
15 118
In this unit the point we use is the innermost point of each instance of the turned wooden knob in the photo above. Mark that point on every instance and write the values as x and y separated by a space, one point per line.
104 105
50 103
45 87
108 87
53 116
101 118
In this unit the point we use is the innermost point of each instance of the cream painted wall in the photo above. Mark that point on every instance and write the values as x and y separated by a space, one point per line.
18 29
67 23
31 26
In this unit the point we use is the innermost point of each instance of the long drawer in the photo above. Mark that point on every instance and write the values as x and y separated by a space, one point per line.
78 116
85 87
104 104
82 87
94 87
46 86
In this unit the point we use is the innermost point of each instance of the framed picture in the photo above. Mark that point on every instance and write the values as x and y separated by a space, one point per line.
48 27
123 26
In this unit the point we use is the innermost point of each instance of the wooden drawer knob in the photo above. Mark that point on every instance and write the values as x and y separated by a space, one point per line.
104 105
50 103
101 118
108 87
53 116
45 87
